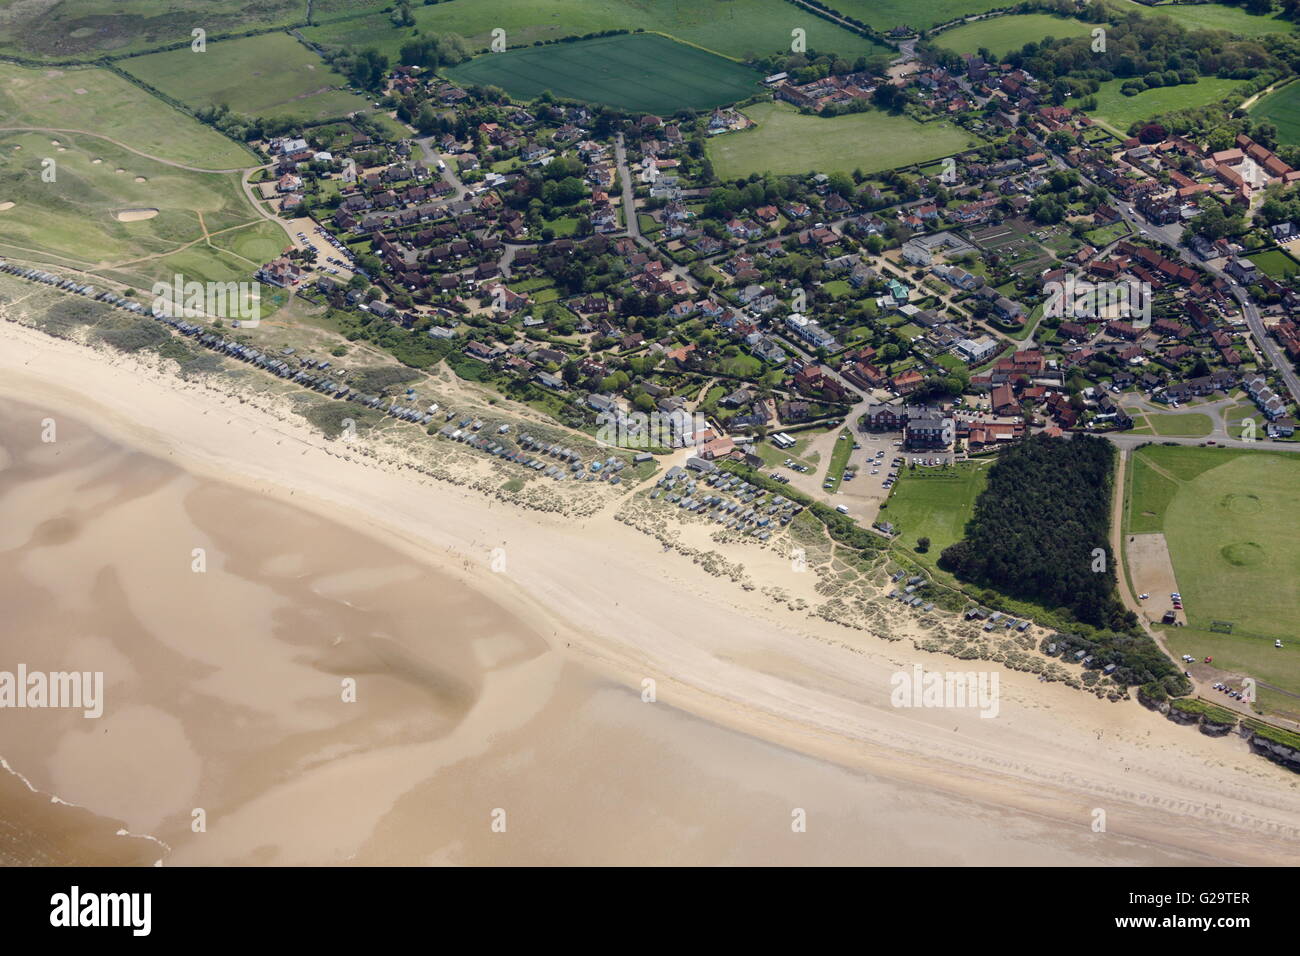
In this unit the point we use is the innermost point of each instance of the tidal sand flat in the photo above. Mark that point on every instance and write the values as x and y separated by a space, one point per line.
510 698
228 625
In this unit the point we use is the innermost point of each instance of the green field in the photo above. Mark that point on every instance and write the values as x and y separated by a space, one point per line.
641 72
102 102
1214 16
86 29
1119 112
1002 35
935 504
918 14
1228 517
1188 425
1235 417
204 227
736 28
786 141
269 75
1282 109
1275 264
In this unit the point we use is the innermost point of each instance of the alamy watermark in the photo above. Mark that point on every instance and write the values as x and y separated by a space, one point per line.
180 299
82 690
946 689
678 429
1080 299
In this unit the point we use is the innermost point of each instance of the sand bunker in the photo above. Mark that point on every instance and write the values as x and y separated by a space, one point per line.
134 215
96 162
141 179
119 170
6 205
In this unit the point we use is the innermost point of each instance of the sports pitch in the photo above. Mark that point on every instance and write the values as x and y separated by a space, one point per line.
105 103
1228 519
112 213
786 141
934 504
642 72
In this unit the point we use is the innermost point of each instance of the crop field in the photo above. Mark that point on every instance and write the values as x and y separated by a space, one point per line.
641 72
1236 557
98 101
269 75
1001 35
734 28
86 29
918 14
1282 109
1214 16
786 141
110 212
1119 112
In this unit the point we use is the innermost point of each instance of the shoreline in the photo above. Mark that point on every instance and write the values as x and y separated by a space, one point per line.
606 597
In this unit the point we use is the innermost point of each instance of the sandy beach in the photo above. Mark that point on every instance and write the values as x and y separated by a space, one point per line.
501 655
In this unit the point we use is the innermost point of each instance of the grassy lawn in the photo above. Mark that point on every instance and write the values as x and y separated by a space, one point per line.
104 103
839 458
786 142
1235 416
1120 112
742 366
1282 108
935 504
1001 35
1234 559
734 28
1193 425
1276 264
637 72
1105 235
269 75
76 224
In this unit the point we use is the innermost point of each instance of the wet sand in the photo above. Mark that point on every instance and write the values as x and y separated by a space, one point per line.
479 692
223 692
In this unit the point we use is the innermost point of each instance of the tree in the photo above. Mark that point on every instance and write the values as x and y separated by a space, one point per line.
922 545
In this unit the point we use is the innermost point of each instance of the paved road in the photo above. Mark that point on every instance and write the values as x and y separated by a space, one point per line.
449 173
1125 440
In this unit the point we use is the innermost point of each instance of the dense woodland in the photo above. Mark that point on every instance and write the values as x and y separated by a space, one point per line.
1037 524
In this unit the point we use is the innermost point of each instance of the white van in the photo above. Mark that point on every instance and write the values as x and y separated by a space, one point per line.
841 509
